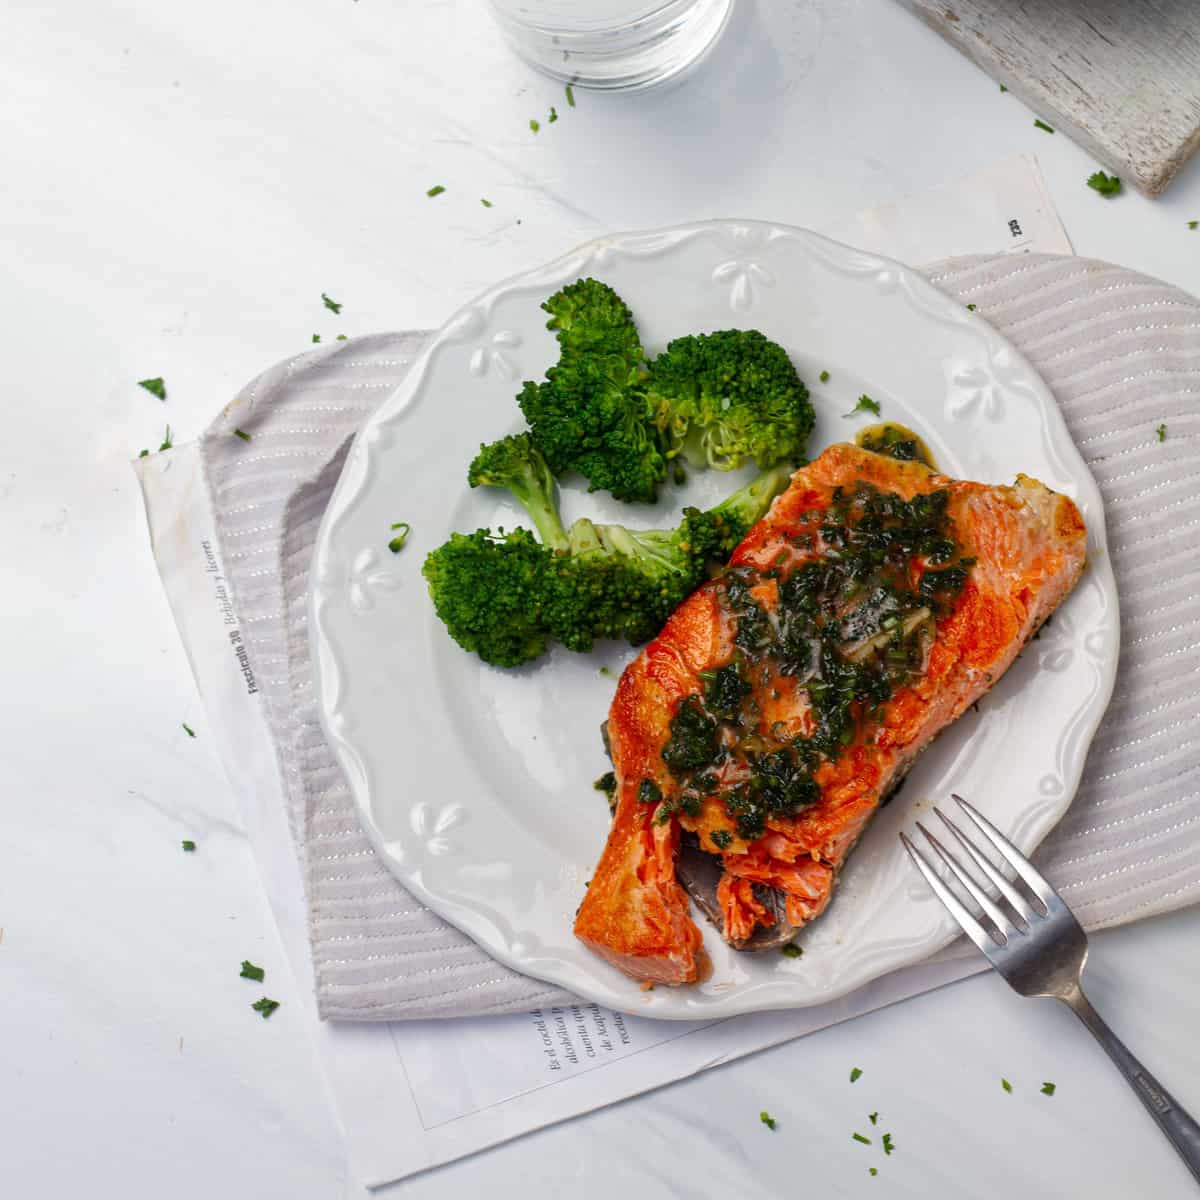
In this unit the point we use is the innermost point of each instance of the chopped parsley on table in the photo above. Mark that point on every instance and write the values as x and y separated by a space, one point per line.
250 971
1193 224
855 1074
865 404
436 190
156 387
334 306
265 1007
188 729
166 442
873 1118
1047 1088
768 1120
1162 433
1003 88
534 124
791 950
485 202
1005 1084
1040 124
143 454
971 307
873 1170
341 337
241 433
887 1143
824 377
397 543
570 96
553 114
188 845
1106 185
858 1137
316 337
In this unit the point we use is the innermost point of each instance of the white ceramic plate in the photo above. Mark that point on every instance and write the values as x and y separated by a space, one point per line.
475 784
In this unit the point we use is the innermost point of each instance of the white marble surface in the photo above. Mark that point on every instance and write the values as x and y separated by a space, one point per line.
179 186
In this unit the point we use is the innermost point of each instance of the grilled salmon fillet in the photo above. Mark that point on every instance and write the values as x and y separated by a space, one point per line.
781 702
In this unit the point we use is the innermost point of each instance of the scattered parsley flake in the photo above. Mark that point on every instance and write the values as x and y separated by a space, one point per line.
436 190
766 1118
397 543
824 377
858 1137
334 306
166 442
250 971
1193 224
887 1143
855 1074
865 404
873 1170
188 845
606 671
188 729
316 338
534 125
1106 185
265 1007
1003 88
143 453
553 115
570 96
971 307
791 950
1040 124
1047 1088
341 337
1162 433
873 1118
1005 1084
242 434
156 387
485 202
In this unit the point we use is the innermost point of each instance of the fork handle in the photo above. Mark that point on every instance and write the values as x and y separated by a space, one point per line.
1183 1132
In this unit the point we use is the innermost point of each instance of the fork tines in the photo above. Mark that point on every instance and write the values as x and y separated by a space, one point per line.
1005 909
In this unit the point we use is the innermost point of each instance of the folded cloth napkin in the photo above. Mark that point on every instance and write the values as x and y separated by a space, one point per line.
1122 355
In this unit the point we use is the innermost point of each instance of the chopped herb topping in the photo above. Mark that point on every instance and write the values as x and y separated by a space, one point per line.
1162 433
143 453
570 96
334 306
971 307
865 404
265 1007
397 543
1005 1085
766 1118
1106 185
824 377
156 387
436 190
553 114
855 1074
250 971
721 838
485 202
188 845
649 792
316 337
1003 88
534 125
693 741
166 442
606 671
887 1143
791 950
241 433
1193 224
188 729
858 1137
1040 124
341 337
874 1170
1048 1088
873 1118
607 783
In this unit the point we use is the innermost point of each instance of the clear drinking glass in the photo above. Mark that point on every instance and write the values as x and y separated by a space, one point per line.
611 44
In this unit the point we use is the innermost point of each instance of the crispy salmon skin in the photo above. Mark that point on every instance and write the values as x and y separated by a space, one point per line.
781 702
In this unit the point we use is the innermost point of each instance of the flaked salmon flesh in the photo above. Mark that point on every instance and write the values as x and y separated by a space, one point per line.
1022 549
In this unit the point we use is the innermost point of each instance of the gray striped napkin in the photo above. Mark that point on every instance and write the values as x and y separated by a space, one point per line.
1122 355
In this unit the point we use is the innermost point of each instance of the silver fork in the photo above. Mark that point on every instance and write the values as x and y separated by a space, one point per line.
1033 939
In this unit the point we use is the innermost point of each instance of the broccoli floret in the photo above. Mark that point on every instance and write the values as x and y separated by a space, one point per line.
721 398
489 591
589 415
506 597
516 464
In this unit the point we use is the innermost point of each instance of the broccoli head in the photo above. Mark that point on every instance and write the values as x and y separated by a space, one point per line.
507 597
719 399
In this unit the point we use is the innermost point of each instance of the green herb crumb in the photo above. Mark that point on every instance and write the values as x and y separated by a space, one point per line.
341 337
873 1170
865 404
1003 88
143 453
436 190
768 1120
250 971
1193 224
607 671
534 124
858 1137
188 845
887 1143
855 1075
397 543
1040 124
485 202
188 729
265 1007
553 114
873 1118
1162 433
824 377
791 950
1005 1084
1048 1088
156 387
971 307
334 306
241 433
570 96
1106 185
